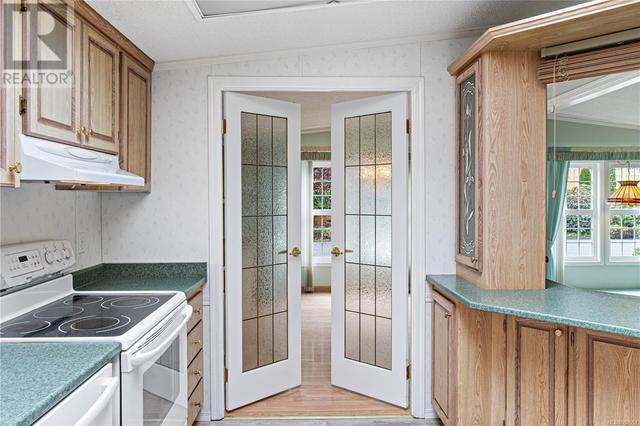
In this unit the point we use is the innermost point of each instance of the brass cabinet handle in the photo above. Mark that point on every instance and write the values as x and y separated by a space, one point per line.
558 332
474 259
196 404
16 168
197 311
197 342
447 315
295 252
87 132
79 132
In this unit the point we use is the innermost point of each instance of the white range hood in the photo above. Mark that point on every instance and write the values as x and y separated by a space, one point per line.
44 160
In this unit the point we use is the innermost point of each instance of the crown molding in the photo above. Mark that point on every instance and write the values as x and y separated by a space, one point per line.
275 54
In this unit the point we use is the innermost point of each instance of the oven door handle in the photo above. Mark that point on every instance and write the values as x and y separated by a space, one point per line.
139 359
109 390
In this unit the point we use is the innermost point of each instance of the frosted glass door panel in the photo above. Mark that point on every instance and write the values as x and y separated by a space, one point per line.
368 198
264 240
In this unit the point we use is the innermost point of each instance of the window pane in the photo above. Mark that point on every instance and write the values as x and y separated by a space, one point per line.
317 173
317 188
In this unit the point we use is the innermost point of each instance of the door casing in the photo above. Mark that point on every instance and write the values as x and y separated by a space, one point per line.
414 86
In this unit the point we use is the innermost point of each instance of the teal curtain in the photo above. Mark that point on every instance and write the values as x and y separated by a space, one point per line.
554 207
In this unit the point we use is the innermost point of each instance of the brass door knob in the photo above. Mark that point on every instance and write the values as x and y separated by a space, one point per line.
295 252
335 251
16 168
558 332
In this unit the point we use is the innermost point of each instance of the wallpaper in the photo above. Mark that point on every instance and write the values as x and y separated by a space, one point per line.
36 211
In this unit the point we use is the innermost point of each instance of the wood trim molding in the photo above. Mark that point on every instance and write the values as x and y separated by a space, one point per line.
96 20
609 60
592 19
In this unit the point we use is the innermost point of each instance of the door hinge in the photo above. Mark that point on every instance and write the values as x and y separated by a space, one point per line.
23 5
408 126
572 338
224 126
22 105
408 371
226 374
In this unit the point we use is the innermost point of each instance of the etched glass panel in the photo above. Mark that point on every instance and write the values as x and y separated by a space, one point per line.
467 168
368 210
264 240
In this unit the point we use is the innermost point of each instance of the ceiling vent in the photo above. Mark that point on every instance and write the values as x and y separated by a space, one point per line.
209 9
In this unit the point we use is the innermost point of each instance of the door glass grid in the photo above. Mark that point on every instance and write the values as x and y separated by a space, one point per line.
264 240
367 272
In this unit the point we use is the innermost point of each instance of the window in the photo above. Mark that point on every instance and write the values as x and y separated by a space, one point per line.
580 213
321 210
594 230
624 221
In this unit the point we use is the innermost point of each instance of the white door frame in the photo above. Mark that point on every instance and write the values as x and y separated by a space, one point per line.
415 87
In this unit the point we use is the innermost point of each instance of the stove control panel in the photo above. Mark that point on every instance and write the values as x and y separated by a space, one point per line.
29 262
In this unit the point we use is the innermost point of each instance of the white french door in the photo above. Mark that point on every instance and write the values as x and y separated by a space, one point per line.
369 295
262 247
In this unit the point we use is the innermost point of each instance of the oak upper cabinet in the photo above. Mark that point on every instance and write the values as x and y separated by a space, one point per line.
53 111
536 373
607 379
135 123
443 360
469 167
100 90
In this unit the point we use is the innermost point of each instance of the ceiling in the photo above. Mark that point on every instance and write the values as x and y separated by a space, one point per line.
612 100
315 106
169 30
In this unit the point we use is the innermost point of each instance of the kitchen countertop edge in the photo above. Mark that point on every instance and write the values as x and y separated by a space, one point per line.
451 289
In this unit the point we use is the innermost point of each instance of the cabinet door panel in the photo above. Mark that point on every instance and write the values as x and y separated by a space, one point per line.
443 358
469 168
53 107
536 373
607 380
135 144
101 86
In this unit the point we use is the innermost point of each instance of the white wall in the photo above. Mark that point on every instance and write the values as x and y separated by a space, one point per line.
36 211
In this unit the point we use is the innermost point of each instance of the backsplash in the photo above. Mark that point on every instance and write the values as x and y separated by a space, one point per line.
36 211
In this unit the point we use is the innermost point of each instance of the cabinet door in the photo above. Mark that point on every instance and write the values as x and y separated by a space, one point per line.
135 143
8 112
100 90
607 379
443 359
53 103
469 168
536 373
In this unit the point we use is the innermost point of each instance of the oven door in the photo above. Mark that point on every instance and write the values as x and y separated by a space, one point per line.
154 375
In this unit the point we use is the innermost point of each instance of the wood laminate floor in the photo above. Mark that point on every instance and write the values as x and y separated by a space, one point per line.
316 397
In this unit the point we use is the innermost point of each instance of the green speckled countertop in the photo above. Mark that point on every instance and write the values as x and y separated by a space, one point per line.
34 377
185 277
612 313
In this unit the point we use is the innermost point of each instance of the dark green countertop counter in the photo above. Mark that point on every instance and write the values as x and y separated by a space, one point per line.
185 277
35 377
594 310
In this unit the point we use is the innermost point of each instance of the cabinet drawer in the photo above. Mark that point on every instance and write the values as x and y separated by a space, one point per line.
196 304
194 342
194 372
195 403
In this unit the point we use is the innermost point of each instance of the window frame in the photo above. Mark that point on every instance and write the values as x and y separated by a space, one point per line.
320 260
609 212
595 213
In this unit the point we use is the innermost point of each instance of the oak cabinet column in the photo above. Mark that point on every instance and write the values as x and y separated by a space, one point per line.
444 383
536 373
100 90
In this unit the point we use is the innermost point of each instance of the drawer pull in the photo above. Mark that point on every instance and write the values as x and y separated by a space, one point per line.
197 342
197 311
197 373
196 404
447 315
558 332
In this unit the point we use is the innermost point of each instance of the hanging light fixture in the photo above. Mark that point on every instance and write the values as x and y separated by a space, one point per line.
628 193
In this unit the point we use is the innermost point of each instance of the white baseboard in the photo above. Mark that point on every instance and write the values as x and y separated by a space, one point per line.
204 416
429 413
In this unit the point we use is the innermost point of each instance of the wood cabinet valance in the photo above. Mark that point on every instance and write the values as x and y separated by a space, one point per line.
603 61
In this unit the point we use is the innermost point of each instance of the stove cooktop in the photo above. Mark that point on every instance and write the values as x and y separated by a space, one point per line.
85 316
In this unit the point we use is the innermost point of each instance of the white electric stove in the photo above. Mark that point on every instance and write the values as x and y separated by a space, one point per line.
38 304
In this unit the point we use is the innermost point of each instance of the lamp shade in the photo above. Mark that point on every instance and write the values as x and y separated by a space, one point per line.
627 194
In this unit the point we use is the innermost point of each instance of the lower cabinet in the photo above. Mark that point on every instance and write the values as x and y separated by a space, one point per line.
491 369
195 357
